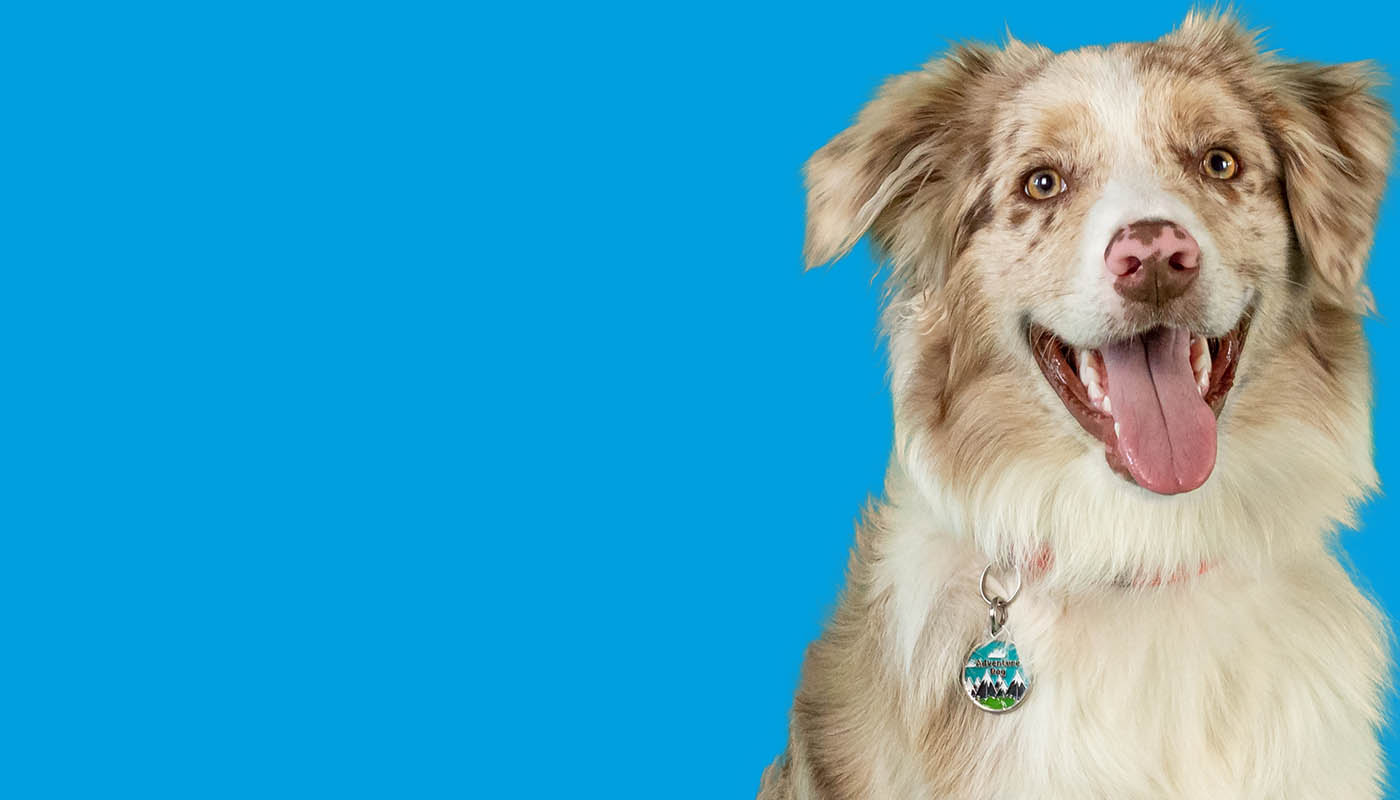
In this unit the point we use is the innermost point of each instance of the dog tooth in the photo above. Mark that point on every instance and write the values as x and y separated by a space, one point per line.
1201 366
1108 409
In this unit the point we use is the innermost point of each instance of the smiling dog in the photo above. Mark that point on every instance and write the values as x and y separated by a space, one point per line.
1127 365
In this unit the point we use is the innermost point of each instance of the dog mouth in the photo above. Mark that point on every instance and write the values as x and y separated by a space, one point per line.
1152 399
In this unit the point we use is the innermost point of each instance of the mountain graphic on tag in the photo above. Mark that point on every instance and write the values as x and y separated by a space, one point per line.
993 677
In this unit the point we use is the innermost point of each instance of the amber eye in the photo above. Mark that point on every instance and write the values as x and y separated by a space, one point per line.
1044 184
1220 164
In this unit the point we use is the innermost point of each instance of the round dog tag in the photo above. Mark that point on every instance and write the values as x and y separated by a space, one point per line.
993 677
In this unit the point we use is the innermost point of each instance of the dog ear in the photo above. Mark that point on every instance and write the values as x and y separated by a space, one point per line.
1332 135
905 140
1335 139
855 177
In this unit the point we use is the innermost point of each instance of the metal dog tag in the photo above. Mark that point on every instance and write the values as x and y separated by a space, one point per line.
993 677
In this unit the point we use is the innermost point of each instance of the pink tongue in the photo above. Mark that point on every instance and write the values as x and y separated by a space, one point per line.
1166 432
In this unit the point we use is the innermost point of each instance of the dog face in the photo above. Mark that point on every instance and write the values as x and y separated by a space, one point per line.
1124 276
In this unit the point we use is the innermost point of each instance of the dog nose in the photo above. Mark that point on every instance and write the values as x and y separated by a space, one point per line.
1152 261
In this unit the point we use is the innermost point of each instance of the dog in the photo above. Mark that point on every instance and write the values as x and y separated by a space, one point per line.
1132 408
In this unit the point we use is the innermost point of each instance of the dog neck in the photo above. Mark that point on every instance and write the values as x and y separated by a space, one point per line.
1040 562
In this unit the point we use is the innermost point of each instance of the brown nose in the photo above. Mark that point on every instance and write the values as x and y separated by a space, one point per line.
1152 261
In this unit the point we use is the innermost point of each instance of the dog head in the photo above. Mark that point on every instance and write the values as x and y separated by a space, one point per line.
1126 286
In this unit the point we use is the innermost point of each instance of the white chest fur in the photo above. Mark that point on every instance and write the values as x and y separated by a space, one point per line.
1224 686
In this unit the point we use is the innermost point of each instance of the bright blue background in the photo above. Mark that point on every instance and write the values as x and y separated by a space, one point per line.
409 401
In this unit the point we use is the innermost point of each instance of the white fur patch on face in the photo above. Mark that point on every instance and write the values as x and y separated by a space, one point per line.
1091 310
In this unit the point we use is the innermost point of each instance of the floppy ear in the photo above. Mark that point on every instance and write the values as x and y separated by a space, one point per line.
903 148
1335 140
857 175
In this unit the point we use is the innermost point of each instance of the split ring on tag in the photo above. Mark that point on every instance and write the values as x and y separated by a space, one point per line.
996 617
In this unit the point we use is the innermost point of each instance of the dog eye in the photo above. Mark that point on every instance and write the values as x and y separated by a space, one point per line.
1220 164
1044 184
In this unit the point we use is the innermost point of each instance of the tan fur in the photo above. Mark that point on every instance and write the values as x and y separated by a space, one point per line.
989 466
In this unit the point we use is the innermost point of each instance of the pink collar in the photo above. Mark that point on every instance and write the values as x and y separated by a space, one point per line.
1039 565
